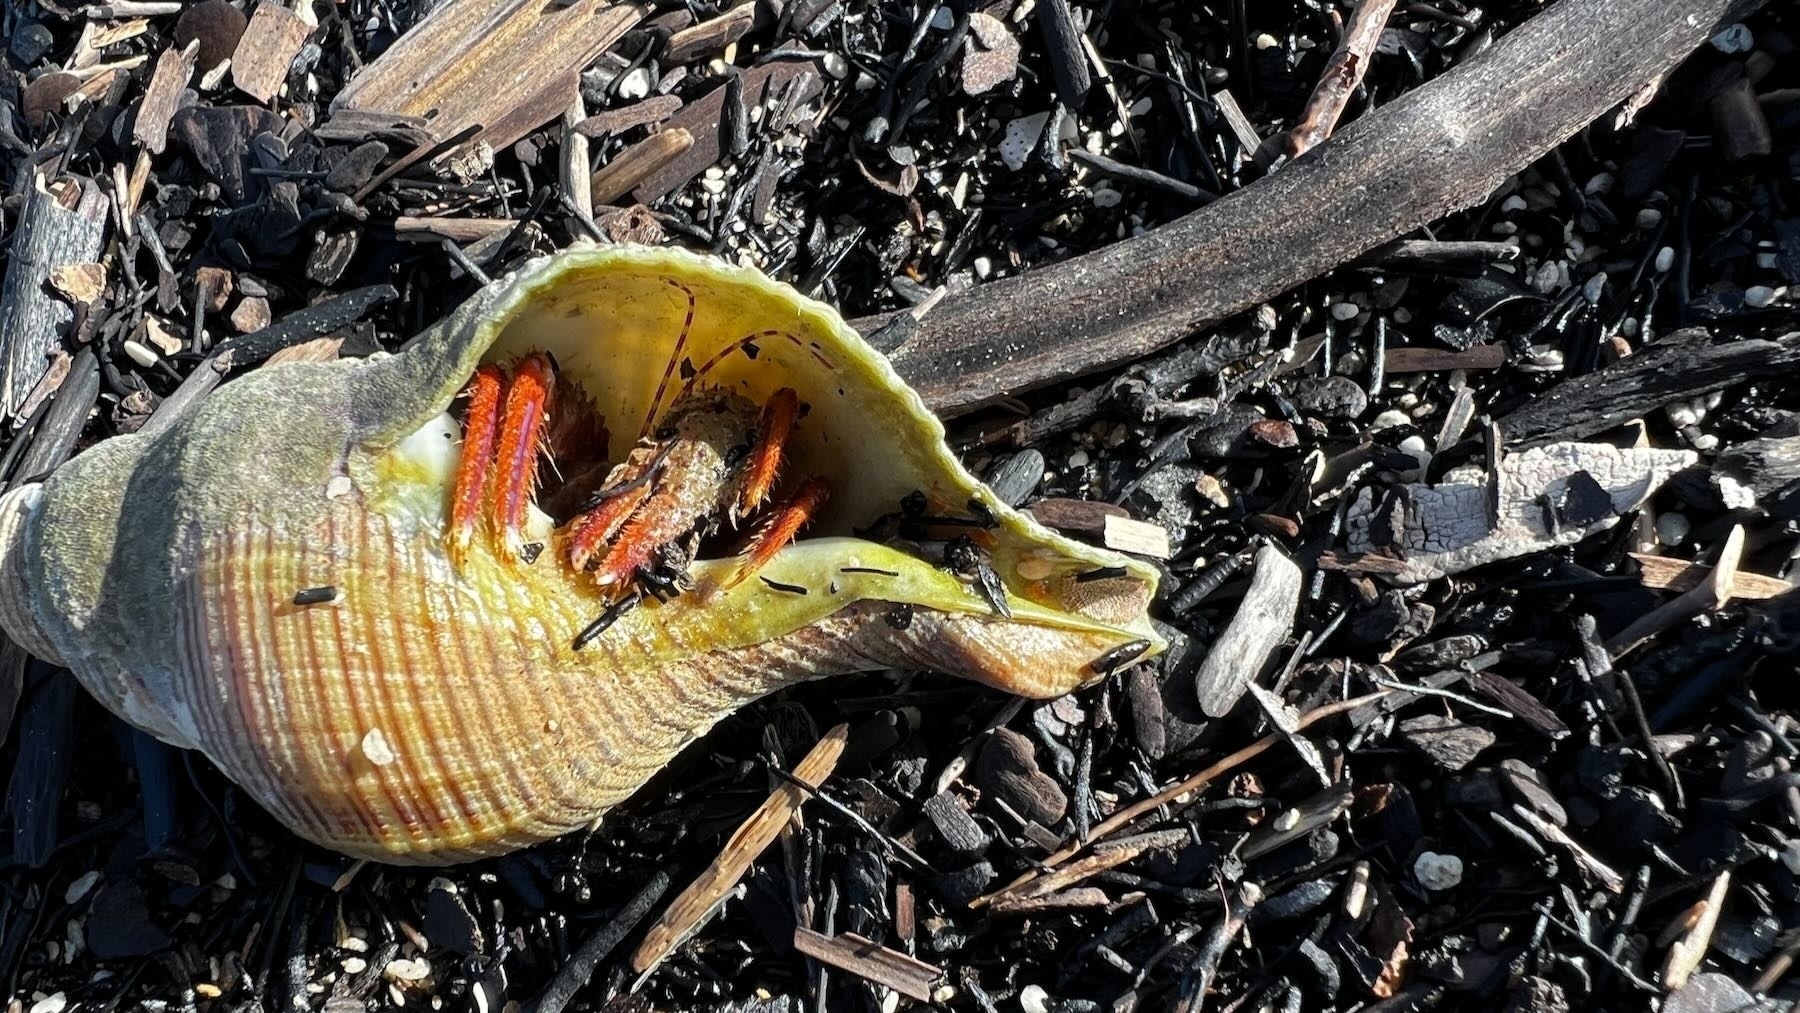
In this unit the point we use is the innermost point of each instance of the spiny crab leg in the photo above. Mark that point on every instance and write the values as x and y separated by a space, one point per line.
773 431
779 528
597 527
470 494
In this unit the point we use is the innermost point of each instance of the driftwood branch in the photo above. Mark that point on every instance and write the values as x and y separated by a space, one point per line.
57 227
1445 146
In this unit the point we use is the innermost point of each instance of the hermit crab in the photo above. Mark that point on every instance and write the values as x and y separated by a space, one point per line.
451 601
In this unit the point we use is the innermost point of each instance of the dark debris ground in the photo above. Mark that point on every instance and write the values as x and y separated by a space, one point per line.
138 877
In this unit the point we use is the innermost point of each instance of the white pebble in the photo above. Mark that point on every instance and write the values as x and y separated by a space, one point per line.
354 965
1106 197
55 1002
1706 443
1672 528
1079 459
408 969
1665 259
1734 39
1755 297
1514 203
1681 414
943 19
1389 419
1267 41
1437 872
1288 820
635 84
141 353
81 886
1546 279
1032 999
1344 310
1595 285
835 65
1649 218
984 266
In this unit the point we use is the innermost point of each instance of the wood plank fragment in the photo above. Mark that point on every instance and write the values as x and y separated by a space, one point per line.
1127 534
639 162
503 69
1666 574
654 109
750 840
1431 360
259 66
1700 921
850 952
173 71
704 119
421 229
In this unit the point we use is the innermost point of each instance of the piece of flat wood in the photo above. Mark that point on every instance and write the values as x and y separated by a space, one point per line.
478 63
63 222
870 961
174 69
712 35
1436 360
420 229
1444 146
259 65
1666 574
637 163
704 118
751 839
654 109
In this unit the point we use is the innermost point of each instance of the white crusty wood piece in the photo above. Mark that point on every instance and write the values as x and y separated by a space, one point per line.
1444 529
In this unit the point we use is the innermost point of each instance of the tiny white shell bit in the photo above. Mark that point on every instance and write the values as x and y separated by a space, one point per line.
268 580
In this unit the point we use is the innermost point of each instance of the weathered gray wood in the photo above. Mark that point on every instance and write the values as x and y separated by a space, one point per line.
54 229
1263 621
1445 146
1762 472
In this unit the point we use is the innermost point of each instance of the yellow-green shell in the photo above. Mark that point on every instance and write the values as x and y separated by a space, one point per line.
436 714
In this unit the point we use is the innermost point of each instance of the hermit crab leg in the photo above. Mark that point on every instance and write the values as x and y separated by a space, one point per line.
779 528
594 528
522 432
662 387
469 494
772 435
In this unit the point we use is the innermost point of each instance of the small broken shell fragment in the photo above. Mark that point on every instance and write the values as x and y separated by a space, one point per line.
430 710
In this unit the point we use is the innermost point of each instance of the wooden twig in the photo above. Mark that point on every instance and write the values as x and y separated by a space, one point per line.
1695 931
1445 146
62 223
1666 574
740 852
1343 74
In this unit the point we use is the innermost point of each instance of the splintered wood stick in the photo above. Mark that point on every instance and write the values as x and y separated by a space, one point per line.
1695 928
1343 73
740 852
1719 587
1666 574
866 959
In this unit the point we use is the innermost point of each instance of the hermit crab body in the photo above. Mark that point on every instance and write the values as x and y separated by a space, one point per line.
369 615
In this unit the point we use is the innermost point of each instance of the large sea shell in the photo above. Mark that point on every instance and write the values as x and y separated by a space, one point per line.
434 714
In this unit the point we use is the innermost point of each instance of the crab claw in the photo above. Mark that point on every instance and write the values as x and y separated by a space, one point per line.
280 581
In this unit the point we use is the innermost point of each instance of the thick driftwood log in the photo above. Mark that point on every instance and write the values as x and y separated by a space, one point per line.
1445 146
65 227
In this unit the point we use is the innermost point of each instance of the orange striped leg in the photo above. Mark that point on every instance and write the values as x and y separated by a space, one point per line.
594 528
522 432
765 460
476 464
779 528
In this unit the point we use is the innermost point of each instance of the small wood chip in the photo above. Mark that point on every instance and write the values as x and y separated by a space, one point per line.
251 314
267 49
1665 574
850 952
712 35
639 162
1082 516
417 229
82 283
1126 534
740 852
654 109
174 68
